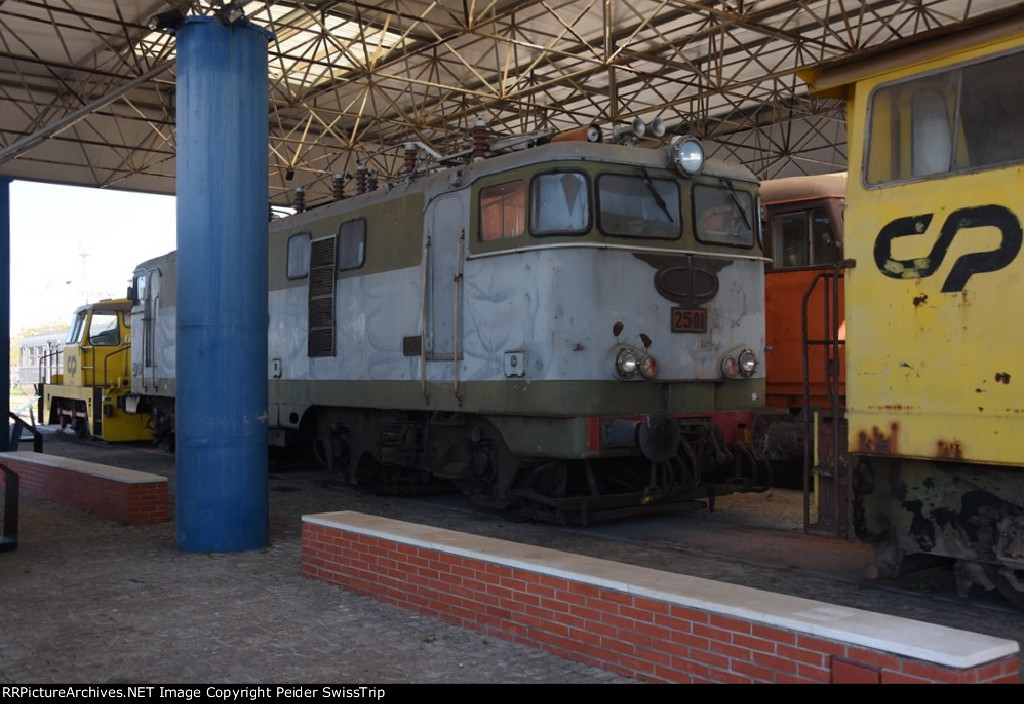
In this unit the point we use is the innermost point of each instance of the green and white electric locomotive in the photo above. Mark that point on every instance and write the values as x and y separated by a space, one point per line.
568 330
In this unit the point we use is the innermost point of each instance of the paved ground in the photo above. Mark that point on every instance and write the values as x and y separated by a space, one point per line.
85 600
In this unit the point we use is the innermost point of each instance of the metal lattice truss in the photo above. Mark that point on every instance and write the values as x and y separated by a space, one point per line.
87 89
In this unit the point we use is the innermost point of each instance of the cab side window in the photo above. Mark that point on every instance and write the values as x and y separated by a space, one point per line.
103 329
503 211
352 244
298 256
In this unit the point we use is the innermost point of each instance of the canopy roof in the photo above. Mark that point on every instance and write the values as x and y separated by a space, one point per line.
88 89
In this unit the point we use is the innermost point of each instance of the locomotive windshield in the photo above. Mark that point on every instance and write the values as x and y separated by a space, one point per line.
638 206
75 331
502 208
724 215
803 238
560 204
615 201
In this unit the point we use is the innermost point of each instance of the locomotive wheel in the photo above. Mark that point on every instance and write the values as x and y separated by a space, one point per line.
1004 586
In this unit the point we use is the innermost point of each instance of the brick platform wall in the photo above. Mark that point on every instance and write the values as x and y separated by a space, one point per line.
650 625
124 495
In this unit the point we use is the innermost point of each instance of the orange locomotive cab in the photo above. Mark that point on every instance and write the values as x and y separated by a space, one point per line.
803 230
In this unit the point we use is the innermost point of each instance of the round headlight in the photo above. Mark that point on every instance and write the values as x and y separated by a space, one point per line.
748 363
627 363
649 367
687 155
730 367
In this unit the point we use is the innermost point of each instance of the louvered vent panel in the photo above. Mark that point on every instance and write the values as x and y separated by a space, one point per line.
321 298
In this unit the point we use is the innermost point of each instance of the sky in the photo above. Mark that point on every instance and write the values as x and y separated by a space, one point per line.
71 246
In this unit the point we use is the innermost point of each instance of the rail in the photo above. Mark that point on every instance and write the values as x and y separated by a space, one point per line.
122 349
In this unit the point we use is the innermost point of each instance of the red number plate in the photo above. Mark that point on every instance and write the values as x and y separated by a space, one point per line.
689 320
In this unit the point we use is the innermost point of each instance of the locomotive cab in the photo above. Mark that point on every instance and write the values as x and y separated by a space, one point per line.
933 221
88 395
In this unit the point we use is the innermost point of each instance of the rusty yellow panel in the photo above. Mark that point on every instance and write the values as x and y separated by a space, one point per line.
934 338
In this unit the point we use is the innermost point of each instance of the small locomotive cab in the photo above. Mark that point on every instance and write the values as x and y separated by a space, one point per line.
88 394
564 330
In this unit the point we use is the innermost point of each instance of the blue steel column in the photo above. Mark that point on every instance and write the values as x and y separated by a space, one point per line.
5 305
221 321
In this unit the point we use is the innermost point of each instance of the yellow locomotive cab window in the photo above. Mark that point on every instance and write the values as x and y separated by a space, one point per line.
503 211
931 141
75 331
958 119
103 329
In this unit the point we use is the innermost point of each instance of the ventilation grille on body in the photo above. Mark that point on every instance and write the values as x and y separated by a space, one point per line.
321 298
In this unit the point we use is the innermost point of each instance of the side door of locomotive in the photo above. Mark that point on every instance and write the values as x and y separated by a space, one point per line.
145 314
446 221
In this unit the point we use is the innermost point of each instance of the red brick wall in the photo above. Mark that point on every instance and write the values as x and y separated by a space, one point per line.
586 617
123 495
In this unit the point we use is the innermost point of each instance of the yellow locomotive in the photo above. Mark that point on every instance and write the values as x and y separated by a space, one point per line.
934 204
88 396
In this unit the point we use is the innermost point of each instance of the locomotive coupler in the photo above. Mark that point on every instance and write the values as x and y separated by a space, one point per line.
656 434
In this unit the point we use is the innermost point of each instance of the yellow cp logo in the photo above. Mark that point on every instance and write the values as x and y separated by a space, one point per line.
72 364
